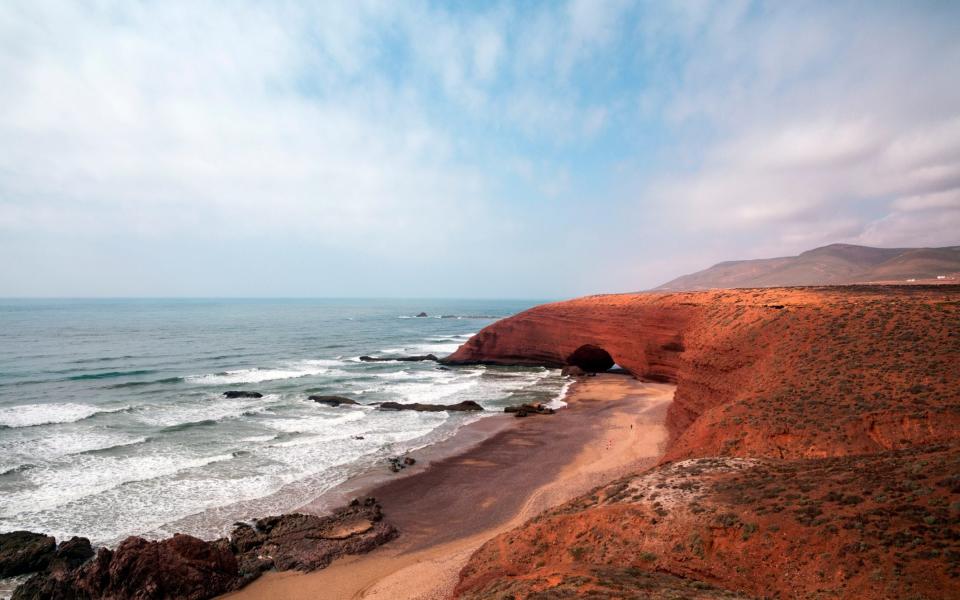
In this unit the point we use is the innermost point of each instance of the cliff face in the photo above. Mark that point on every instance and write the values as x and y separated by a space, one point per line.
641 332
781 378
784 373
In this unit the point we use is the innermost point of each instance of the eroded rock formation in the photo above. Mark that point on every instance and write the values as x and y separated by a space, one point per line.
812 448
193 569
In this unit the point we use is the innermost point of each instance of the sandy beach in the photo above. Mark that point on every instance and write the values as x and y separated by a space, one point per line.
448 507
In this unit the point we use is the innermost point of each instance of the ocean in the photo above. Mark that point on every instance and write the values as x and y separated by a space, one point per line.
113 420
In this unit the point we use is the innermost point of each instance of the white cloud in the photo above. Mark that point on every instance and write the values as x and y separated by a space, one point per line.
162 118
809 129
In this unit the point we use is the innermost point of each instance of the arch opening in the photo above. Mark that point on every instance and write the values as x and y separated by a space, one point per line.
591 358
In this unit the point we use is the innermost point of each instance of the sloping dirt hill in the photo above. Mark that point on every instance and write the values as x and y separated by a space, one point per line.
830 265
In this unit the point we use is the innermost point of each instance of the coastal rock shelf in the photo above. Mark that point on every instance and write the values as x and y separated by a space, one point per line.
812 449
193 569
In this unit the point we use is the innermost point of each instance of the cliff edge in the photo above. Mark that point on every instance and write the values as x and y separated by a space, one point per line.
813 447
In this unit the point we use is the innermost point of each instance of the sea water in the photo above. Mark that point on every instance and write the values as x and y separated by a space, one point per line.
113 420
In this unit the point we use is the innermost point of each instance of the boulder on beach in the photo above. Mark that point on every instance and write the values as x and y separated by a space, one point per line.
466 405
523 410
242 394
397 463
572 371
24 552
333 400
415 358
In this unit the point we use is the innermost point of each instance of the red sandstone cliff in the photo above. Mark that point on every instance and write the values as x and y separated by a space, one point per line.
784 378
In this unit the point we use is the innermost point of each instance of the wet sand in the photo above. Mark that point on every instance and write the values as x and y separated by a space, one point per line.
448 507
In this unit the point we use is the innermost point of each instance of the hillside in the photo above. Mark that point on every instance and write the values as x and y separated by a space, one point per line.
836 264
812 452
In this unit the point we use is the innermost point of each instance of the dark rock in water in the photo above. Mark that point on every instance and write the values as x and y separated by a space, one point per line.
416 358
529 409
25 552
308 542
572 371
333 400
422 314
409 461
242 394
179 567
466 405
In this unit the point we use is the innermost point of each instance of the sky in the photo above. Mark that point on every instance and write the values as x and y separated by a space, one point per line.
513 150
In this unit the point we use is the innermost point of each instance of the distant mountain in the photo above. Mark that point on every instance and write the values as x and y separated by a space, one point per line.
829 265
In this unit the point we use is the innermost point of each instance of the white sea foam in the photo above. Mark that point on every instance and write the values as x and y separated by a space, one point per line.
215 408
258 438
558 401
292 449
59 482
319 423
22 449
29 415
258 374
177 488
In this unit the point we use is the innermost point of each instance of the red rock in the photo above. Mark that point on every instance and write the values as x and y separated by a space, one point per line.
816 429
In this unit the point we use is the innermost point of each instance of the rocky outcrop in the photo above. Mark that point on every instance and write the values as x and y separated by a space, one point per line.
333 400
52 582
193 569
632 329
178 567
25 552
308 542
416 358
421 315
465 406
242 394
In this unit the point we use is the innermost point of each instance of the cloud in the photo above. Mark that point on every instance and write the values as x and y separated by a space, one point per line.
163 118
835 122
665 134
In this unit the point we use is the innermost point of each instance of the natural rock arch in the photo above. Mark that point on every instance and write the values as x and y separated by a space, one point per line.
590 358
